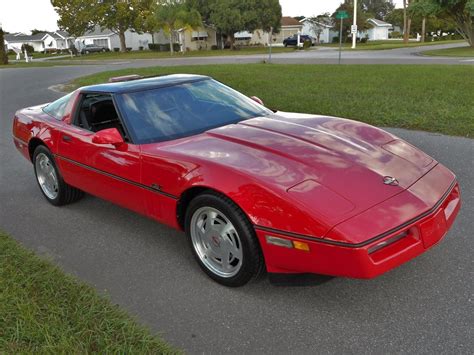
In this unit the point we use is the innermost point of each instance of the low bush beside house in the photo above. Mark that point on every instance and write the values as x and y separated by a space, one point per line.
116 49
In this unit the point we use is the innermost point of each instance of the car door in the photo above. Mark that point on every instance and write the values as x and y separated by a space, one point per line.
104 170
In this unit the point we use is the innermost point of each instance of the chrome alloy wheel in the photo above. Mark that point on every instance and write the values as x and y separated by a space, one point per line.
216 242
46 175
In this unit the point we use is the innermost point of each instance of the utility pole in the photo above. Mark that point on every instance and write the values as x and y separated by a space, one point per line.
354 27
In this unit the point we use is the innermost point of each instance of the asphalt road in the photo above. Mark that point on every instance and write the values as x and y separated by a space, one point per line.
321 55
425 306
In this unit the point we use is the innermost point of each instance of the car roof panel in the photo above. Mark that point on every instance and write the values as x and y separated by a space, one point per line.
144 84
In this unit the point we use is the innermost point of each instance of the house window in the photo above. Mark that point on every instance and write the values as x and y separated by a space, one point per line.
101 43
199 36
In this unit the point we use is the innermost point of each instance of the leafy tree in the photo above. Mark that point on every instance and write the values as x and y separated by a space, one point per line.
121 15
231 16
378 8
462 13
3 53
76 16
362 18
36 31
172 15
79 16
315 24
423 9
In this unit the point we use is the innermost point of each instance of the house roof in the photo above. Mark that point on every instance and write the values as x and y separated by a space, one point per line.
63 34
289 21
97 31
321 22
25 38
144 84
379 23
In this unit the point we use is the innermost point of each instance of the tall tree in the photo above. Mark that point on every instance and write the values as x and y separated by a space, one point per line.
423 9
3 53
317 23
172 15
76 16
231 16
378 8
79 16
462 13
122 15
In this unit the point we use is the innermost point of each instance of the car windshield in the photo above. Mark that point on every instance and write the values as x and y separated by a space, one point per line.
185 109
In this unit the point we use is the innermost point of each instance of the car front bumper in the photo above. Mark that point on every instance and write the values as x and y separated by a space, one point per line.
370 258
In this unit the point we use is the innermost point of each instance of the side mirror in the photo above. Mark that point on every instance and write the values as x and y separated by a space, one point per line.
108 136
257 100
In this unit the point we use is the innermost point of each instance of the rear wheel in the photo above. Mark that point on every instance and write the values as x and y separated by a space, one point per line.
223 240
52 185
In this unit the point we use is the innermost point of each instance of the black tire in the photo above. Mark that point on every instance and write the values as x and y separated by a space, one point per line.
252 261
65 193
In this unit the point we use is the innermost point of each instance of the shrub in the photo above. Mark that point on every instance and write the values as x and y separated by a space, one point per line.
116 49
307 44
154 47
214 47
335 40
364 40
128 49
140 48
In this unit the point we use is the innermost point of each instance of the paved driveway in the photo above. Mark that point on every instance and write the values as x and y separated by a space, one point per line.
425 306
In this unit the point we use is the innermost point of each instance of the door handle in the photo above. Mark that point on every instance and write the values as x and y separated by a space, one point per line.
67 138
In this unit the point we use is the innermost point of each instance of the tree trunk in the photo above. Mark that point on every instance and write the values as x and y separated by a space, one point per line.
231 40
171 42
123 45
405 22
3 53
423 29
408 29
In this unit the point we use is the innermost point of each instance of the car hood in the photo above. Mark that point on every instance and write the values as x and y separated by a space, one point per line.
314 158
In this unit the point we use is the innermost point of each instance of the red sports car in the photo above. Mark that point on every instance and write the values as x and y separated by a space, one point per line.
251 187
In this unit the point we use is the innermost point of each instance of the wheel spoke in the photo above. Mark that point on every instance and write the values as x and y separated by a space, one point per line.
216 241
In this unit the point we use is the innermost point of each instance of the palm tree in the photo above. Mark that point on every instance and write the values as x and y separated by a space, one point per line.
172 15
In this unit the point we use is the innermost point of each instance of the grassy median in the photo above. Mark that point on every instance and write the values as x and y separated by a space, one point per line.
42 310
433 98
452 52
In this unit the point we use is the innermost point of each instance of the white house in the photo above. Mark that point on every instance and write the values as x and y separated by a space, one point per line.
40 41
379 31
317 29
109 39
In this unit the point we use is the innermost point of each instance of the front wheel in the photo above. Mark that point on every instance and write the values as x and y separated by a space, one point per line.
52 185
223 240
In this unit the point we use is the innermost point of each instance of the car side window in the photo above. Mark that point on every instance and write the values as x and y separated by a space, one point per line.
97 112
56 108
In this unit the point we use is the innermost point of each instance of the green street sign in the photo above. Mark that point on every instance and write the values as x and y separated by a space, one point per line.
342 15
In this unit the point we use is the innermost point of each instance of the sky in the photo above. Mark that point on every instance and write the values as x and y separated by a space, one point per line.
25 15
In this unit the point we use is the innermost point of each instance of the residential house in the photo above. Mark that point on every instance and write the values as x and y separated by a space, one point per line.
379 31
255 38
321 30
40 41
110 39
196 39
289 27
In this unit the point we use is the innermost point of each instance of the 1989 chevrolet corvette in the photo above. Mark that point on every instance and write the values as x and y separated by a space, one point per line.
251 187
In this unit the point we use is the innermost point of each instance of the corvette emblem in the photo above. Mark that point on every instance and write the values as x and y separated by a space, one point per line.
388 180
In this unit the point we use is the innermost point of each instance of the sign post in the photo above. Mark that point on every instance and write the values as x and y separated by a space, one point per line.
341 15
354 26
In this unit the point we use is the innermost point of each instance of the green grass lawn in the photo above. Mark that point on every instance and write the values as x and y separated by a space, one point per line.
158 55
383 45
43 310
452 52
433 98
